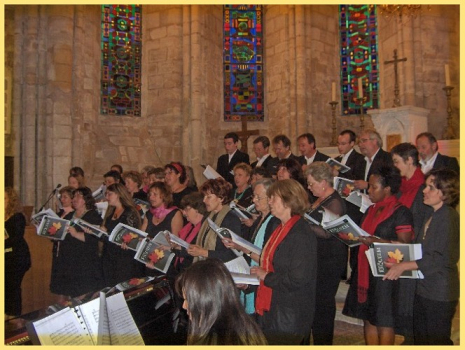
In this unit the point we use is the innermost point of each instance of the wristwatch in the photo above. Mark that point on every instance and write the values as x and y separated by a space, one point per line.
249 254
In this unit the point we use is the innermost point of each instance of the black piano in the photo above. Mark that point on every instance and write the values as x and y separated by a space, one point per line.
152 304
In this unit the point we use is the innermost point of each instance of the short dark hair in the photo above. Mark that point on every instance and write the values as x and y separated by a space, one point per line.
178 168
87 195
389 176
264 140
260 170
114 174
117 166
428 135
406 150
310 138
351 134
282 138
293 167
232 135
448 181
195 201
158 172
219 187
75 170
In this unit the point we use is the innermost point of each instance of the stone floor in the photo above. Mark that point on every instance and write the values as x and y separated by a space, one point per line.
349 331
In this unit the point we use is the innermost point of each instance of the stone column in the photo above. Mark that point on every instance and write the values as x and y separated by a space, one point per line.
301 76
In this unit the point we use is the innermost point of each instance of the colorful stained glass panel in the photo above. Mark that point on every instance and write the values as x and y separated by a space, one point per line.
243 62
121 60
359 57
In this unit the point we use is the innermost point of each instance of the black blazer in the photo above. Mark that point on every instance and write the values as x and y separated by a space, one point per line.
319 157
381 159
443 161
357 163
273 164
267 161
224 167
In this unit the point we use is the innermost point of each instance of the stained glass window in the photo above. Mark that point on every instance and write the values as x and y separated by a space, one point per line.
359 56
121 60
243 62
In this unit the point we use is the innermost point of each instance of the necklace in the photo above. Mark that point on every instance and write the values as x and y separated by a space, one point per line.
117 213
428 222
75 215
237 198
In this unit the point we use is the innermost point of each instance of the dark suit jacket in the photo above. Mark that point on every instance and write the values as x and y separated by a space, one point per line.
443 161
224 168
265 163
356 163
272 166
381 159
319 157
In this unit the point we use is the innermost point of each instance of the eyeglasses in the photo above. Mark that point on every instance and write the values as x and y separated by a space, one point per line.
364 140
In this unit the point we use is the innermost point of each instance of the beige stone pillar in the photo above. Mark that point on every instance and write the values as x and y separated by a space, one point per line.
301 77
407 69
197 127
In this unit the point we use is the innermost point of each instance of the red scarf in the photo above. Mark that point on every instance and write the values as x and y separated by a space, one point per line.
188 233
264 293
369 224
409 188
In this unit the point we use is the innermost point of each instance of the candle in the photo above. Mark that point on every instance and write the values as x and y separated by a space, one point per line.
360 88
446 68
333 91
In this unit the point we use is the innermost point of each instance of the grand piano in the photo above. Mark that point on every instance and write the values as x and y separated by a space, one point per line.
151 303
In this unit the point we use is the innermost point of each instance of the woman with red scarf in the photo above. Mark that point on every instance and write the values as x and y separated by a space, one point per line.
370 298
405 158
285 300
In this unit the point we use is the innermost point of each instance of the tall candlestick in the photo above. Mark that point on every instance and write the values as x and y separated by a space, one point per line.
333 91
446 69
360 88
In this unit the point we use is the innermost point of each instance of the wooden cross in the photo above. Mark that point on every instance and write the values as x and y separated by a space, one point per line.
396 84
244 133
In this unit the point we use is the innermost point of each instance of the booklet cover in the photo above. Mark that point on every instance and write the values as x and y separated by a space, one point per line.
343 186
93 229
154 252
102 208
141 206
99 193
380 253
345 229
53 227
133 282
175 239
223 233
337 165
245 243
127 234
241 212
36 219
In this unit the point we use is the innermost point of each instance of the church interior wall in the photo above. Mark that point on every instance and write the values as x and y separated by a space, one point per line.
54 54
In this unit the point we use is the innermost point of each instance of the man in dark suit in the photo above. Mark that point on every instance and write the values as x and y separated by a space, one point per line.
430 158
233 156
349 156
282 148
370 144
308 151
261 147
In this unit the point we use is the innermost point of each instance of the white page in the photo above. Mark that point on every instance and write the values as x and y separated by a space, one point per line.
238 265
90 313
62 328
123 329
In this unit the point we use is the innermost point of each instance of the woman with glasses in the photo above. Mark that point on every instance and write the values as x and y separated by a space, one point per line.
331 254
259 233
216 194
176 179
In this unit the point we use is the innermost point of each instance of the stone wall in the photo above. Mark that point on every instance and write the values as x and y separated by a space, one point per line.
54 52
